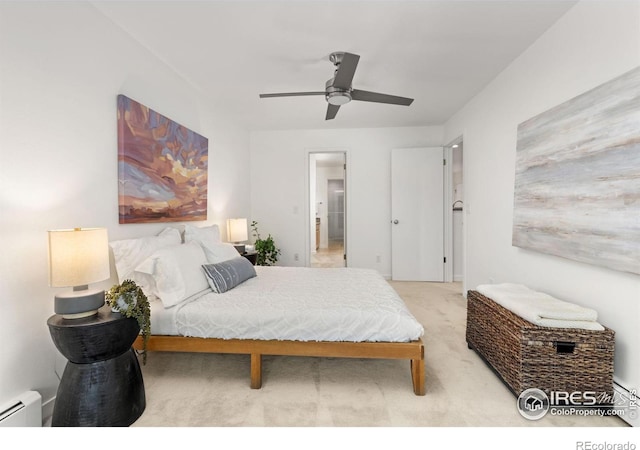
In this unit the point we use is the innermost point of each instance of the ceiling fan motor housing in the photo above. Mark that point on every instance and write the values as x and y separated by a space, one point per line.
336 96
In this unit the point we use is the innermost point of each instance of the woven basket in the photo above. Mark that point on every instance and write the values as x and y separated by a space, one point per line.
527 356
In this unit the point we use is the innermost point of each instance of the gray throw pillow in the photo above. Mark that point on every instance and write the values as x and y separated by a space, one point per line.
228 274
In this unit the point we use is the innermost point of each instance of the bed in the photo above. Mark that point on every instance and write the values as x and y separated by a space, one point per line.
205 298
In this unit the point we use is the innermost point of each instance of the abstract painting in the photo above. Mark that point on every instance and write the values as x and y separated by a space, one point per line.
162 167
577 180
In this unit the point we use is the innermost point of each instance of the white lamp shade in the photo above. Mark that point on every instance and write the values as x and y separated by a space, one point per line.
237 230
78 257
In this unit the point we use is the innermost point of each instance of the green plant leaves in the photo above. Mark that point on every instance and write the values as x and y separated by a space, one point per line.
136 305
267 252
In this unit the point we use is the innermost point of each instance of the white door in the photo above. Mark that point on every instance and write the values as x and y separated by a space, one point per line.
417 214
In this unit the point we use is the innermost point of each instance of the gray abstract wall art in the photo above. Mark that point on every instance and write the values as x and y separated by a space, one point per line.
577 180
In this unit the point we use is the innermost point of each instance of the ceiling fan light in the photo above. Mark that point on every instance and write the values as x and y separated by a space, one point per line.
338 98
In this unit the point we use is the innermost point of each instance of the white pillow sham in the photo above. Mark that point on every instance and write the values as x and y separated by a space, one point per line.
209 234
177 272
129 253
209 239
217 253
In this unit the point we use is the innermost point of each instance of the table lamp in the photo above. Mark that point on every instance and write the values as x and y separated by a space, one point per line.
237 232
78 257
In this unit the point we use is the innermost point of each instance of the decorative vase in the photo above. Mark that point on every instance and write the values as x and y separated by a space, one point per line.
122 304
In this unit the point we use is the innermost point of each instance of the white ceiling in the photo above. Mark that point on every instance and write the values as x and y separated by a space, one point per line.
441 53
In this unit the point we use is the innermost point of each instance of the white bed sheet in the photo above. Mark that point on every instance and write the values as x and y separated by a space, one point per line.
163 320
296 303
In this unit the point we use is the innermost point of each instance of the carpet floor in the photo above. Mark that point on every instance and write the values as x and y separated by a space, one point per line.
211 390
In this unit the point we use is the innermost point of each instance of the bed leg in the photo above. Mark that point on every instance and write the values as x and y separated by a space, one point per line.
417 376
256 371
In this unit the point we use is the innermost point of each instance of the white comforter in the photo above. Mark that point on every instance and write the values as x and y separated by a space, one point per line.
303 304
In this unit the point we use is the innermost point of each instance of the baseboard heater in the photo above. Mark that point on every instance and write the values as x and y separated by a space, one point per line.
628 404
23 411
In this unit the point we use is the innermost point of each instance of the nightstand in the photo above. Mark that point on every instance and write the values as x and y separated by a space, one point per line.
251 256
102 381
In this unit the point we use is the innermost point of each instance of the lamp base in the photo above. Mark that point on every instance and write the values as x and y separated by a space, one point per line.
78 304
93 312
240 247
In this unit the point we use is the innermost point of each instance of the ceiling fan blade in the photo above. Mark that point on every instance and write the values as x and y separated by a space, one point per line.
366 96
292 94
332 110
345 71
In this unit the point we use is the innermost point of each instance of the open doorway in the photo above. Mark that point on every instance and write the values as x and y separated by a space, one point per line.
327 207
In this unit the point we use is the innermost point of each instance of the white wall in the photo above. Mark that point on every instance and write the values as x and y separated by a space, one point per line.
279 176
62 66
593 43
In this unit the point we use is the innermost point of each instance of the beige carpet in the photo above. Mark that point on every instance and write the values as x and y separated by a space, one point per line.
202 390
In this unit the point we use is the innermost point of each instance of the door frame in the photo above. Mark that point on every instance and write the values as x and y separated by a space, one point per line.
448 214
309 209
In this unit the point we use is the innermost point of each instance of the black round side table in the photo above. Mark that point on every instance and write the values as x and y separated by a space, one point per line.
102 382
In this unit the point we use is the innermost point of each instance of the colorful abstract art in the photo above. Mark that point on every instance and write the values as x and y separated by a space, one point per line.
162 167
577 180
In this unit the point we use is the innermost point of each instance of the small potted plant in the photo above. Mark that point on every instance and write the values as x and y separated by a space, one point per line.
267 252
129 300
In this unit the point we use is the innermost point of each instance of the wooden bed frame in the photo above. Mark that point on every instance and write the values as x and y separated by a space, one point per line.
413 351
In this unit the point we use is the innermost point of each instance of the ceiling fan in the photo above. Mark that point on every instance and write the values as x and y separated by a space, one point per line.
338 90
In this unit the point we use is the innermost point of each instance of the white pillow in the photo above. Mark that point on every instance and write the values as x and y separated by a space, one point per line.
209 239
220 252
177 272
202 235
129 253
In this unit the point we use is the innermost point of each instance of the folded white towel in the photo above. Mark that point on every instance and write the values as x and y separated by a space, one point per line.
540 308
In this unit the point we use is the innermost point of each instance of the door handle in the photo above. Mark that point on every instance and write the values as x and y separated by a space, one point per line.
395 222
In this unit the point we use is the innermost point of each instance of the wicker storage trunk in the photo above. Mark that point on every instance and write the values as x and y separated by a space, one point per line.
529 356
